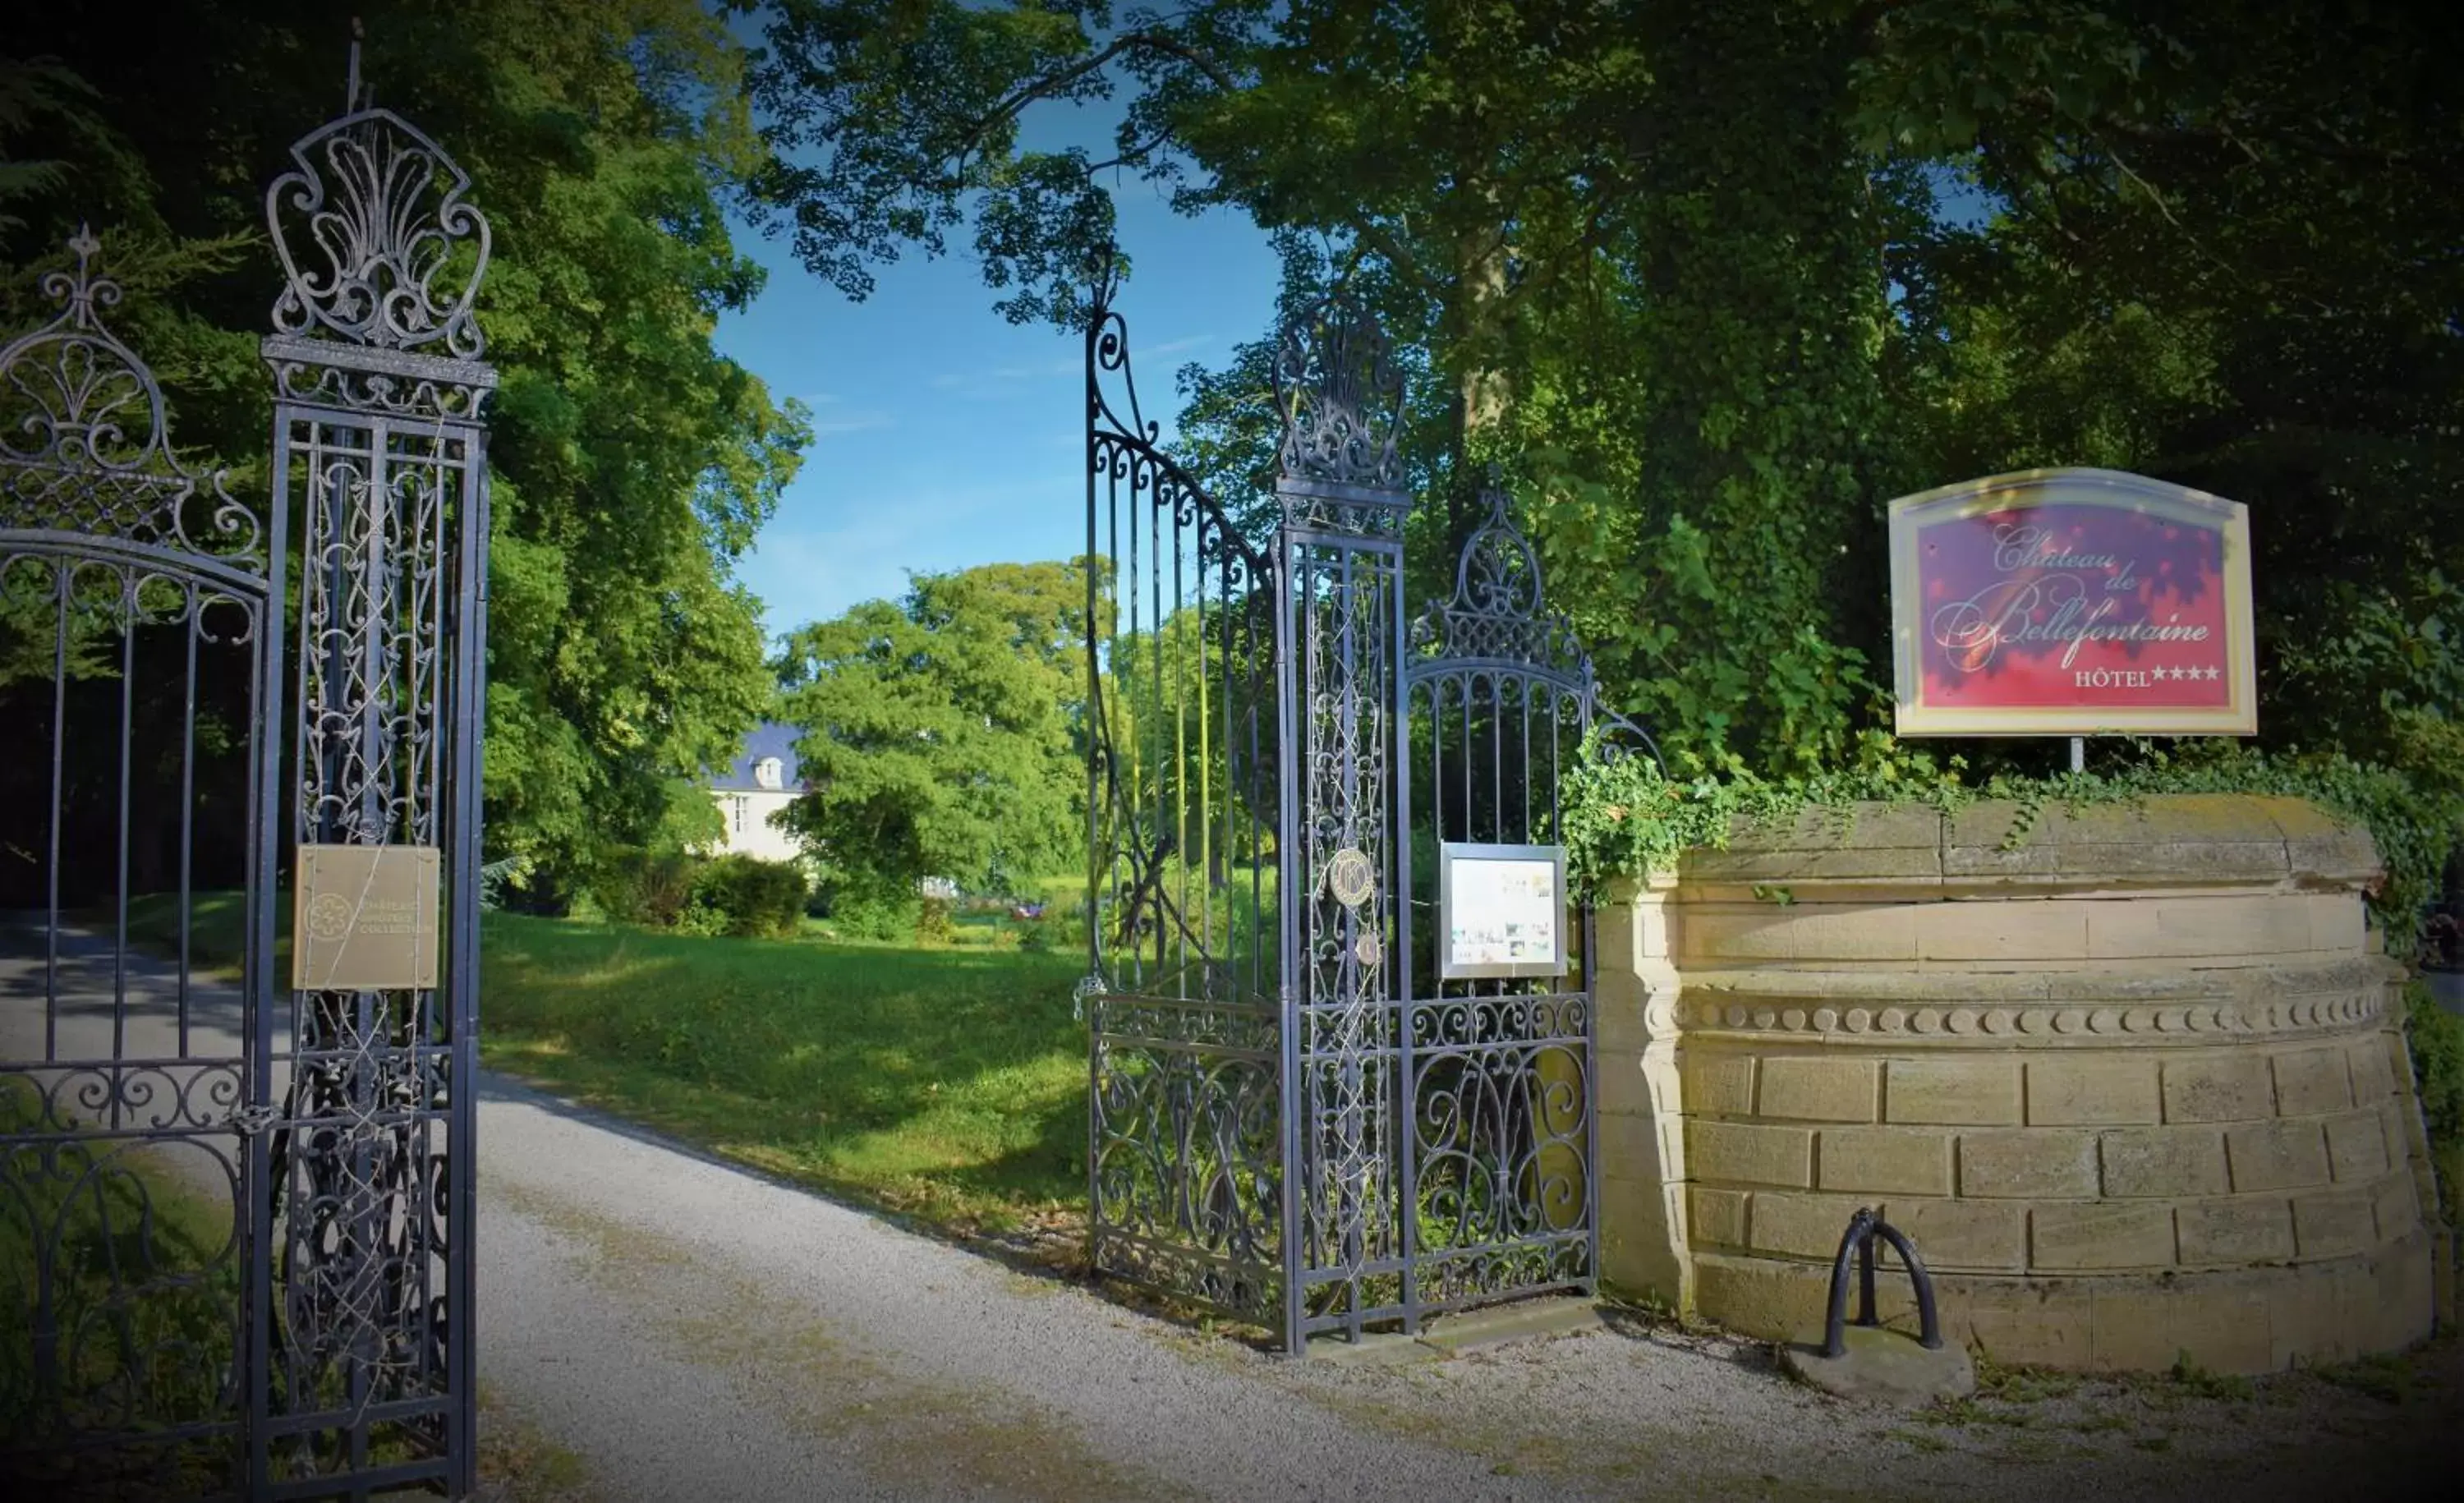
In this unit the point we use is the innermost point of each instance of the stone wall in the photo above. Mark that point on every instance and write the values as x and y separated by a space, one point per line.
2131 1080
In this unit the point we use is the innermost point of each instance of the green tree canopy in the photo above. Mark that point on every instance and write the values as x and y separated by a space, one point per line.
1693 275
943 734
632 462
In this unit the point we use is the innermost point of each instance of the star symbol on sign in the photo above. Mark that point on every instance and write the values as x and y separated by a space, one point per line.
2210 674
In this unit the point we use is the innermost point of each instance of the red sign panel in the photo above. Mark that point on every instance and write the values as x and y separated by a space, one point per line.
2069 602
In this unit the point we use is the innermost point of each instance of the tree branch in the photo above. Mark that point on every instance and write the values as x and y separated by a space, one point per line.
1052 83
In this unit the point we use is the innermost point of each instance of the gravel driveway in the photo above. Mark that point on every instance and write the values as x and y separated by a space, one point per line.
693 1331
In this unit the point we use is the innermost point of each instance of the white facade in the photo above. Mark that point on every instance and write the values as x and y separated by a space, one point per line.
746 825
752 790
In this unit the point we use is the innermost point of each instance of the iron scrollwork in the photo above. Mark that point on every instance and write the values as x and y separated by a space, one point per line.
1429 1150
87 439
375 358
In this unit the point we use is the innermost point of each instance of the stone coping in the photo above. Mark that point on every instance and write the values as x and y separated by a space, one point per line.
2163 840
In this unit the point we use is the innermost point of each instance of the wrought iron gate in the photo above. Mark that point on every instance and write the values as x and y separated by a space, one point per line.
235 1238
1292 1118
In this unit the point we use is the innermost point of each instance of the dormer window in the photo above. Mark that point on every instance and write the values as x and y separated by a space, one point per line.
769 773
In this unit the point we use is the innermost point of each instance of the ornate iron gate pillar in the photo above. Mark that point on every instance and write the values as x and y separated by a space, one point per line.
1339 560
380 450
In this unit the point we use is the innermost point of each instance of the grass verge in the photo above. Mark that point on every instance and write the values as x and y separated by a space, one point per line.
950 1085
946 1084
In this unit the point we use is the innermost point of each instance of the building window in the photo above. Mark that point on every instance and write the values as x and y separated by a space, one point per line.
769 773
739 814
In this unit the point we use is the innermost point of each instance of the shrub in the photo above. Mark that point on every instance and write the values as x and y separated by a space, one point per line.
635 886
749 896
932 921
2434 1037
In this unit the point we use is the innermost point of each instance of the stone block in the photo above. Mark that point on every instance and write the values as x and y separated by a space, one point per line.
1701 933
2404 1301
1957 1235
1955 1091
1841 932
2228 1088
2252 1229
1743 1153
2395 1207
2336 923
2028 1164
2356 1148
1800 1226
1714 1217
2085 1237
2311 1082
2074 1093
2233 926
1818 1089
2030 930
2222 1327
2330 1224
2131 1327
2373 1081
2305 1326
2016 1323
1714 1084
1885 1161
2164 1162
2392 1126
2276 1156
1762 1298
1629 1145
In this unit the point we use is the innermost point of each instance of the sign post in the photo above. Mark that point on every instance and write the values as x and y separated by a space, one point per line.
2072 603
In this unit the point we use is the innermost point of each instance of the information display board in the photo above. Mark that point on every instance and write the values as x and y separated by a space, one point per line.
2070 602
1501 909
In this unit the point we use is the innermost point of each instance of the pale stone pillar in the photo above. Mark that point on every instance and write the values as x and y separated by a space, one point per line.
2130 1078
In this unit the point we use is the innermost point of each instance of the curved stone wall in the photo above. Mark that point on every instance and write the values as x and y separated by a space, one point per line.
2129 1079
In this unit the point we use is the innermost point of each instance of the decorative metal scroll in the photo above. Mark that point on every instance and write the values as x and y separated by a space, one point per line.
136 655
1306 1130
1185 1150
87 439
1340 391
1498 1073
383 254
380 454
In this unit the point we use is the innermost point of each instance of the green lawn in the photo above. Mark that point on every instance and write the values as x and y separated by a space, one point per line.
950 1083
947 1083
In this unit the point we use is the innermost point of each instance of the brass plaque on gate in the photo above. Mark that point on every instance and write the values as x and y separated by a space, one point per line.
365 918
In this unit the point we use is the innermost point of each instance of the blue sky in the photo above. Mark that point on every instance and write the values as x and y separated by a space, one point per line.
945 436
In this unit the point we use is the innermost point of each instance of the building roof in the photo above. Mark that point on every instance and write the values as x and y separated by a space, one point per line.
769 739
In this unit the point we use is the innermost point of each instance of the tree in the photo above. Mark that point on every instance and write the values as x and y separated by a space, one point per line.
632 462
943 734
1687 271
1612 226
2226 251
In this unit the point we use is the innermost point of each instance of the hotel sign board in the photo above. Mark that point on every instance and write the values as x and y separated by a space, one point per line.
2072 603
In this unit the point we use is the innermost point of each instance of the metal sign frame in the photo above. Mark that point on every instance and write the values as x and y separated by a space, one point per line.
1455 854
1915 714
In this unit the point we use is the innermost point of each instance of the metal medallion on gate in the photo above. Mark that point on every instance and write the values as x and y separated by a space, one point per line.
1367 948
366 920
1351 878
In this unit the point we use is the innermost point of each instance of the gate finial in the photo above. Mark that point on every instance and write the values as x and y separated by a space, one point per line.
1340 390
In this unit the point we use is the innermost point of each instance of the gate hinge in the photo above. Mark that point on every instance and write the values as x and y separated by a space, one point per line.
251 1119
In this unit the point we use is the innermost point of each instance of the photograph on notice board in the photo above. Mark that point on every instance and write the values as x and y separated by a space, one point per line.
1503 910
